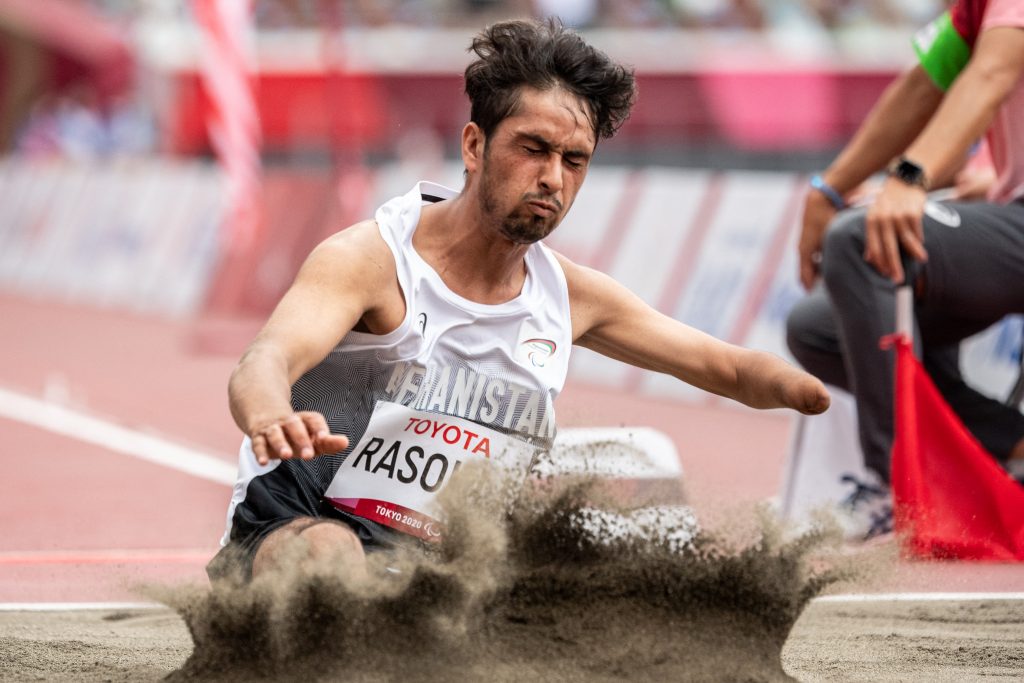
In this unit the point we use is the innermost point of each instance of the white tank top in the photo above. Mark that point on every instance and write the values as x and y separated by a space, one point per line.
497 366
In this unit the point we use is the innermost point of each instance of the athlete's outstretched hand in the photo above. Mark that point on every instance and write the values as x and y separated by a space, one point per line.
763 380
805 393
304 434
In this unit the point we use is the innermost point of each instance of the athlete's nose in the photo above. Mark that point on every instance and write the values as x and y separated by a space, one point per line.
551 174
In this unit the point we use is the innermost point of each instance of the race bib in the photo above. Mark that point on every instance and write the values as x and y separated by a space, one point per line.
404 460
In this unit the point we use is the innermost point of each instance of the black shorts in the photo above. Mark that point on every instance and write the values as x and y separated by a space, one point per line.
273 500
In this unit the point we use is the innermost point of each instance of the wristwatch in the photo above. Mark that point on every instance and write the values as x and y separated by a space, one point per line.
906 171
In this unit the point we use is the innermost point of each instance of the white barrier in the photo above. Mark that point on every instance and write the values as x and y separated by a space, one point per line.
139 235
821 450
615 452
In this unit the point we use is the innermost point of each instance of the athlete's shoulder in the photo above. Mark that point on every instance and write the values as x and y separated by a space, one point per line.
590 290
568 265
363 234
358 252
579 278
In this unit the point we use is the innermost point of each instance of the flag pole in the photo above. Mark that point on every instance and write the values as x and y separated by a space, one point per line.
905 313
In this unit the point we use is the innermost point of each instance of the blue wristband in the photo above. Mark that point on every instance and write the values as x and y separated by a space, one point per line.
819 184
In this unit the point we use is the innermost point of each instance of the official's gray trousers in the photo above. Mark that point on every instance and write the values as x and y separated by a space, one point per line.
973 277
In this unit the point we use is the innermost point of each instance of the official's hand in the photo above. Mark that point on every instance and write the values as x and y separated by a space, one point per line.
895 219
973 184
818 213
304 434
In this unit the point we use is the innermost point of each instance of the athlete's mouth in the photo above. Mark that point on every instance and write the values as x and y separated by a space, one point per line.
542 208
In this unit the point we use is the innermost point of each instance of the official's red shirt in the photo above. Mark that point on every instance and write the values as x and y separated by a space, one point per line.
1005 135
967 16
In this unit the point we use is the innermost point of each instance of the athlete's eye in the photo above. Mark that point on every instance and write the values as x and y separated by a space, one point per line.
533 150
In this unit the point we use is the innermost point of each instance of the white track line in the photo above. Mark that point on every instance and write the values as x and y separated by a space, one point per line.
77 425
75 606
917 597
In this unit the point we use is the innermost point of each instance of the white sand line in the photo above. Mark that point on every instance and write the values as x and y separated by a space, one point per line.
918 597
77 606
78 425
108 556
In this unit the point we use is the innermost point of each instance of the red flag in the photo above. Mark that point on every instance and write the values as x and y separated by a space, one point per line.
952 500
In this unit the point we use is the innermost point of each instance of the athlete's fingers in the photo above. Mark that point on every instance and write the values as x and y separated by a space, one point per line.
294 429
315 423
332 443
259 449
323 440
277 443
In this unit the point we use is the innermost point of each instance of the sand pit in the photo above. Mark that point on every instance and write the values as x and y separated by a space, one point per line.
538 595
963 641
560 590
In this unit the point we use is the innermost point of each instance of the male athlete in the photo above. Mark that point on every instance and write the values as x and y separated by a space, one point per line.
439 333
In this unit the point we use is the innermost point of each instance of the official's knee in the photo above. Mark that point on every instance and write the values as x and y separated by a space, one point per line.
842 261
799 326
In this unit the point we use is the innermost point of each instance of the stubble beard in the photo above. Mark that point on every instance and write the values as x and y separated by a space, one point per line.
515 227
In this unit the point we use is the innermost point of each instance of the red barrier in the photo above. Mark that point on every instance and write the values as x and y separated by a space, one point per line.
784 110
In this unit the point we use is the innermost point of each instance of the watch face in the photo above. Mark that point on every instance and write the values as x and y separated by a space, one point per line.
908 172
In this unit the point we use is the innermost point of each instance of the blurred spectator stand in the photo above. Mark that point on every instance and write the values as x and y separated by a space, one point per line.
697 90
47 46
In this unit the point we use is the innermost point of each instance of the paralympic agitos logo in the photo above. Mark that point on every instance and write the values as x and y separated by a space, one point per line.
540 350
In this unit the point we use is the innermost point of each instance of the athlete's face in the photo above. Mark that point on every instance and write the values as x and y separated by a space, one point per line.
531 167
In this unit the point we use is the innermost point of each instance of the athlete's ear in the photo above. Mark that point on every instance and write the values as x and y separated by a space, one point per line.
473 143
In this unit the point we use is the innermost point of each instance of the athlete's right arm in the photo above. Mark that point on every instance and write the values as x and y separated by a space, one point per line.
613 321
345 279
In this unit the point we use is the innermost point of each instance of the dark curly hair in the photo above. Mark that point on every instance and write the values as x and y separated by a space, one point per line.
542 55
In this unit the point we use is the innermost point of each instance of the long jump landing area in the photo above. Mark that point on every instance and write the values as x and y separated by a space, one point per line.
119 456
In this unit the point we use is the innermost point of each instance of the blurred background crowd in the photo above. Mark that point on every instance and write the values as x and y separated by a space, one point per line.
584 14
99 78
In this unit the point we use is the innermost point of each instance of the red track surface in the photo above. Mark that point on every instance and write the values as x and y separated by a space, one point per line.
79 523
